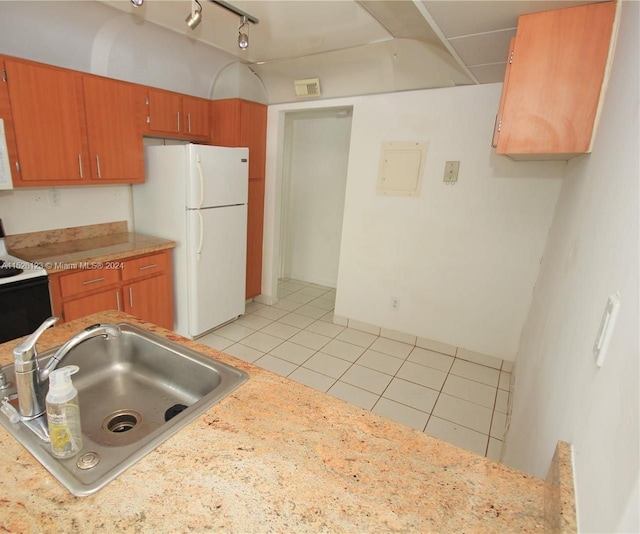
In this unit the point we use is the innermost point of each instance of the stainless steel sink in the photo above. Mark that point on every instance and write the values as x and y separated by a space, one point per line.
135 391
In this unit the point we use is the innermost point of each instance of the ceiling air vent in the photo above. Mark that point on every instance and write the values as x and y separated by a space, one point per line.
306 88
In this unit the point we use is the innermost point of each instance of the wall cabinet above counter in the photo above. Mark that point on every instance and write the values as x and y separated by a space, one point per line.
64 127
176 115
554 82
70 128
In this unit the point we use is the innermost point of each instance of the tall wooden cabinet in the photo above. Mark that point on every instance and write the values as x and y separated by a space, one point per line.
238 122
554 82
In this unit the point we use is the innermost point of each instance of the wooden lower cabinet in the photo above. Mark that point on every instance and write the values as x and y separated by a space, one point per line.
79 307
140 285
148 299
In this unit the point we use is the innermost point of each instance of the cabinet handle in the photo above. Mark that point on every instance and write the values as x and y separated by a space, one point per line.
93 281
145 267
118 300
80 165
98 166
189 121
178 114
130 296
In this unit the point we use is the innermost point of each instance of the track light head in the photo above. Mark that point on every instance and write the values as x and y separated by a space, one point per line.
243 36
195 17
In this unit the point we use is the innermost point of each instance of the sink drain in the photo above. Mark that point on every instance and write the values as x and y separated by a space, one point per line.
121 421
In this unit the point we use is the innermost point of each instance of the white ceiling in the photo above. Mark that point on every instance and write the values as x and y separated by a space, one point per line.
409 43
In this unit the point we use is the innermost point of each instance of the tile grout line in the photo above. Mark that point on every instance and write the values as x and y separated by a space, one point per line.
367 348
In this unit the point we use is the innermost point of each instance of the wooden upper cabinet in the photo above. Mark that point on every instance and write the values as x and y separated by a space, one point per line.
49 124
554 82
164 109
226 120
176 115
115 145
9 132
239 122
196 117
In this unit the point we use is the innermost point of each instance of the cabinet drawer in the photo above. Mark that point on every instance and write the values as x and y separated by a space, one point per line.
146 265
87 280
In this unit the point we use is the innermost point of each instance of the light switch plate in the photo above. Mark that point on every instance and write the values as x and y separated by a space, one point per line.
606 328
451 169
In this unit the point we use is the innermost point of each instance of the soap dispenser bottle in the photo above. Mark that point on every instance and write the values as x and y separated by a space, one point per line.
63 413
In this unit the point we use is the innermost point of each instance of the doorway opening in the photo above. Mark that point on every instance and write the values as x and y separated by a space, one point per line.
316 156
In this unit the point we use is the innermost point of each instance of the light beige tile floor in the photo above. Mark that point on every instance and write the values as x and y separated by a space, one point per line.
448 392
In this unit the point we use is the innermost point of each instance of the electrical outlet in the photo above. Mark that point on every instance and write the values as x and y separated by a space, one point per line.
451 169
54 197
395 303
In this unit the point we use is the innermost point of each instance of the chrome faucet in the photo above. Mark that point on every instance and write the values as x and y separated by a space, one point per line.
30 379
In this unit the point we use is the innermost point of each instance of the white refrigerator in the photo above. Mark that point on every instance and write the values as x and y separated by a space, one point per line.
196 195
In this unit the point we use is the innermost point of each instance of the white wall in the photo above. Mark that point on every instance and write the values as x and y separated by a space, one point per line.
462 259
30 209
314 198
592 252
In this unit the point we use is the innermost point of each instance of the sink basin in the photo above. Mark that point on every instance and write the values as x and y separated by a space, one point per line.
135 391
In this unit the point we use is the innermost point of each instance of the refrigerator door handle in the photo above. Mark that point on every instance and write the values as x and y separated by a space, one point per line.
201 240
201 176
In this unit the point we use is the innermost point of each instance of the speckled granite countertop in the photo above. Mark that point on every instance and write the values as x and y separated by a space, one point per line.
58 250
275 456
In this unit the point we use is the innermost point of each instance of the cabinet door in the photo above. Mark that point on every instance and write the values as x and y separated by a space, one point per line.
225 122
49 123
7 118
151 300
115 145
555 80
164 109
253 128
255 217
196 114
107 300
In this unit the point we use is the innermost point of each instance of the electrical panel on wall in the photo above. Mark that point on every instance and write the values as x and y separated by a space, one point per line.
401 168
